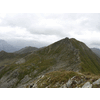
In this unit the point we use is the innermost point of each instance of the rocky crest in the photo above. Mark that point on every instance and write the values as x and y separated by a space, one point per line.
78 81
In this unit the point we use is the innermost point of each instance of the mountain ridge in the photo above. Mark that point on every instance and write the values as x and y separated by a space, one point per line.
27 49
63 55
89 58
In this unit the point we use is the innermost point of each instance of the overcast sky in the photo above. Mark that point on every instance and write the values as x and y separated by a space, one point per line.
46 28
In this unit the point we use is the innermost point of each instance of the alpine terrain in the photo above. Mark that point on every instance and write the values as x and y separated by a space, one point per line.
67 63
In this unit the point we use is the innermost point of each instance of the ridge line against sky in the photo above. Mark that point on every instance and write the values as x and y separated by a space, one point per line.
46 28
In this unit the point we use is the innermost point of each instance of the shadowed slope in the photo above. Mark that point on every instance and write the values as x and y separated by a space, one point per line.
89 61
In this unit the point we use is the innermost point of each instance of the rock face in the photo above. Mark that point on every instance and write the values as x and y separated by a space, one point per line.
74 82
69 83
97 82
9 80
24 80
87 85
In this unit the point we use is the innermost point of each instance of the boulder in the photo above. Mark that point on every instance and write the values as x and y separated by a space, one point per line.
87 85
69 83
97 82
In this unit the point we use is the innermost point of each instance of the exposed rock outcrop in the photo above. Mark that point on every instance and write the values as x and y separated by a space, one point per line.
78 81
9 80
20 61
87 85
97 82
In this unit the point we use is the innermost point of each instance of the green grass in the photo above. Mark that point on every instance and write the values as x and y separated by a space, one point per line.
90 62
56 76
33 63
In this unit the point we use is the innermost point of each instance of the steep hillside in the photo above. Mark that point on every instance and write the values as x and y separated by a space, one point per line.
64 55
8 58
96 51
89 61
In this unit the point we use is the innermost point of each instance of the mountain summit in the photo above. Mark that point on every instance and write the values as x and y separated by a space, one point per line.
64 55
68 54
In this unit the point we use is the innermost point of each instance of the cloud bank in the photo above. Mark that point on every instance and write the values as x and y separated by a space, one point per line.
46 28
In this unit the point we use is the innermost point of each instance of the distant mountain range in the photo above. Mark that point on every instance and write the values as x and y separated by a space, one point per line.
28 49
4 46
96 51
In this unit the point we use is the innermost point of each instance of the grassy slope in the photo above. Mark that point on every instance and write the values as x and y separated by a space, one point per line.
90 62
8 58
50 79
8 61
44 59
61 51
4 55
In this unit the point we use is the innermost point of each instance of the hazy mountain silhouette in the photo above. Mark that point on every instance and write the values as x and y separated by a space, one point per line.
6 47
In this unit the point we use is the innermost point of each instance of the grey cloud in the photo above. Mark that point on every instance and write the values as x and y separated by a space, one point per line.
96 43
23 43
92 22
19 20
61 25
30 22
46 31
